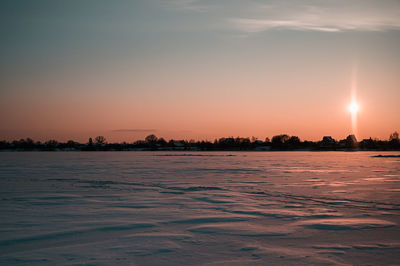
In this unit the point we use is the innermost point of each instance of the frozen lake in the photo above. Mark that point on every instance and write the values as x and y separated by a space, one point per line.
211 208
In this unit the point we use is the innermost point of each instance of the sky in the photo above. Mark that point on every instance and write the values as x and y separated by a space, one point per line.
198 69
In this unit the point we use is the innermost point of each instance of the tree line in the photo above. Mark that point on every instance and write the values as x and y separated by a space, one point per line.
282 142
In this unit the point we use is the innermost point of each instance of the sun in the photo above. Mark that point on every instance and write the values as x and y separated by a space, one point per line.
353 108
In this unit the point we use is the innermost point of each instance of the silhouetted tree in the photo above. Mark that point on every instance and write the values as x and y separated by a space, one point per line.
328 140
327 143
293 140
100 140
394 137
4 144
51 144
161 142
280 139
244 143
367 144
279 142
27 144
29 141
70 144
351 142
151 139
394 141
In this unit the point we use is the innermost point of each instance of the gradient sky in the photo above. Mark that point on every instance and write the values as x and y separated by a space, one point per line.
198 69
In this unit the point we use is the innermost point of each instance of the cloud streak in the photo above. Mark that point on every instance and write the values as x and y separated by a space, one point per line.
251 16
324 16
259 25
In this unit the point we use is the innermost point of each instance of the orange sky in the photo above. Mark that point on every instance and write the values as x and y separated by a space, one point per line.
198 72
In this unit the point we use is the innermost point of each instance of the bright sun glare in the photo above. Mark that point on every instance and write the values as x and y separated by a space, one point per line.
353 108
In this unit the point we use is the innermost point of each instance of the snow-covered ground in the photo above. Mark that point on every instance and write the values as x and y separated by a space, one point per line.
214 208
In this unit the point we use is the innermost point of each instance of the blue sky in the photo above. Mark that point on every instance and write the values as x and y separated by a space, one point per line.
197 69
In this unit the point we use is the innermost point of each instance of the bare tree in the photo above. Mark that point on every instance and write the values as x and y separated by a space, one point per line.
100 140
394 136
151 139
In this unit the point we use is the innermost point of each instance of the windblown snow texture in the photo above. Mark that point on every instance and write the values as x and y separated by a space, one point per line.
289 208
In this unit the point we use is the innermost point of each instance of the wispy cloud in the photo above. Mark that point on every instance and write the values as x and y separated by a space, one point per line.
326 16
257 25
251 16
135 130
